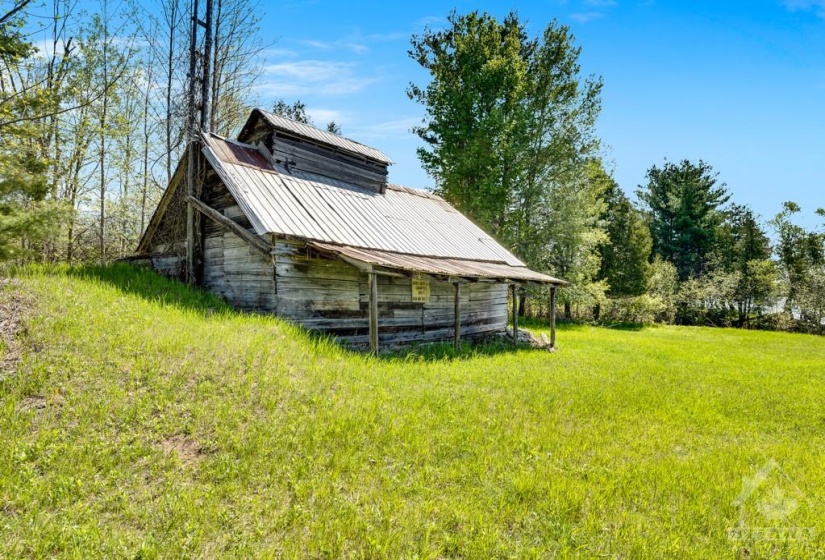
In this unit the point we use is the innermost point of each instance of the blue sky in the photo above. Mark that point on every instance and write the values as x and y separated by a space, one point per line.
738 84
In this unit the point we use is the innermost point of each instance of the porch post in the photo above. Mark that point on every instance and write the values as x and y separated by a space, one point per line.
514 295
373 278
457 313
552 316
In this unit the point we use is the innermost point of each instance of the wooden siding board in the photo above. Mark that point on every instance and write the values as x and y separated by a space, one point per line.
328 165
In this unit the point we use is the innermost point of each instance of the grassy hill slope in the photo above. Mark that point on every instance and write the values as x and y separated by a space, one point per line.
145 420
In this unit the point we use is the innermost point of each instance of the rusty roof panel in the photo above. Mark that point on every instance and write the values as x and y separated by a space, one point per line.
323 137
235 152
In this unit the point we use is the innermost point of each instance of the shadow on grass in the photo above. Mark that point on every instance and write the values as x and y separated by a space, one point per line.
567 325
440 351
159 289
152 286
620 326
544 324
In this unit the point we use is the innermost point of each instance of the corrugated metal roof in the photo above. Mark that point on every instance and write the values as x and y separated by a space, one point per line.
402 221
445 267
324 137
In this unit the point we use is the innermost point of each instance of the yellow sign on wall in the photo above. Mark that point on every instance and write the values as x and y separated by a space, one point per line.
420 290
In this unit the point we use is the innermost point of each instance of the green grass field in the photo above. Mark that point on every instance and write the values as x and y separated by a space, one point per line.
147 421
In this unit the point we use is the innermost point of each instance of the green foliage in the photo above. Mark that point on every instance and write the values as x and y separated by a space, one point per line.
148 420
740 239
722 298
810 298
27 216
13 44
297 111
574 233
685 207
758 287
639 310
626 254
509 138
476 120
707 300
797 250
743 249
663 285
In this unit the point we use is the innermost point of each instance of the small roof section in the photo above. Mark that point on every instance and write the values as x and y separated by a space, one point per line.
440 267
332 140
403 228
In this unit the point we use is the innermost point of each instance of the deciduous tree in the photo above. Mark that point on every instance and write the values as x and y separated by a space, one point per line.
509 139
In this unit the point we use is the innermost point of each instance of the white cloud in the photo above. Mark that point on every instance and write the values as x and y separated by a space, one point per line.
584 17
323 45
357 48
389 128
383 37
319 77
818 6
44 48
279 53
600 3
430 20
323 116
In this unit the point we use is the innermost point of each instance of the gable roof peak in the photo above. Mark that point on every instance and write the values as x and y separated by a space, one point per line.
312 134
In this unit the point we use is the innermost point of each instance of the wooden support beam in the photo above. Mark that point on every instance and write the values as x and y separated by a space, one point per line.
229 225
367 267
514 294
373 312
360 265
190 217
552 316
457 312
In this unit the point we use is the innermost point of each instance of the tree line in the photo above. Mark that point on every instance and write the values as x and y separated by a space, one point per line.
509 138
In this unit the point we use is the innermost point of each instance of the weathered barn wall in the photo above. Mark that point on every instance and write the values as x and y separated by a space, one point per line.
332 297
232 268
168 245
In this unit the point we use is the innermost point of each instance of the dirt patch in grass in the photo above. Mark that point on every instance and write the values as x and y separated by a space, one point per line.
14 306
39 403
36 402
187 450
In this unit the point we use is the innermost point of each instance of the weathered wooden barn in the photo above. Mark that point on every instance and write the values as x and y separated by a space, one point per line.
300 222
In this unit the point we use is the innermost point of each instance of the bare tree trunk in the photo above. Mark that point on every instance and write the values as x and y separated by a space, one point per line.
146 141
233 68
103 124
172 16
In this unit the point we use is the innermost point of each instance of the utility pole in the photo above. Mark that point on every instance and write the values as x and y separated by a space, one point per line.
195 126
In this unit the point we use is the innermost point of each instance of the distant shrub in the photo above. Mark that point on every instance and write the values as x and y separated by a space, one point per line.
640 310
781 321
